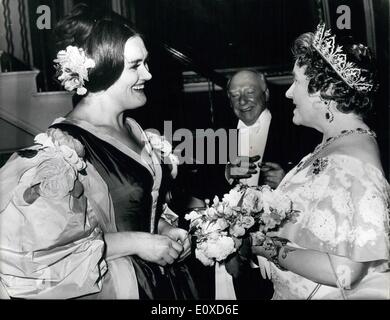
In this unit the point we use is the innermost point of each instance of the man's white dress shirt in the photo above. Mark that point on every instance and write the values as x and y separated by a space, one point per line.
251 142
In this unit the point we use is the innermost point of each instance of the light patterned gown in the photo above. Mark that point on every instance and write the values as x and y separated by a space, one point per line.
344 211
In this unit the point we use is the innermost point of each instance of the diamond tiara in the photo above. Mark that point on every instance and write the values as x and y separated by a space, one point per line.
324 44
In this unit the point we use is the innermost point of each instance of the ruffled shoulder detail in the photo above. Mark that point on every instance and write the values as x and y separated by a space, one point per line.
51 242
344 209
50 169
60 159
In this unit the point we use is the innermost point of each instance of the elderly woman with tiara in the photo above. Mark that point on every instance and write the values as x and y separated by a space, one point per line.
83 211
339 246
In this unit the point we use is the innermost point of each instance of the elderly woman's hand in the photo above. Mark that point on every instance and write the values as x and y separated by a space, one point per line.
270 247
266 250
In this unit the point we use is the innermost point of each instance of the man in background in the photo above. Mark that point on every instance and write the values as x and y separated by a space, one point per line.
259 142
264 156
260 155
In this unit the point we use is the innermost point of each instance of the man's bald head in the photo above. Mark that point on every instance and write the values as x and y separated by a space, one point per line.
249 75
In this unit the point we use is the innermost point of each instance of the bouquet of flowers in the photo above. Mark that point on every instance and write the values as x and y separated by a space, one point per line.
220 227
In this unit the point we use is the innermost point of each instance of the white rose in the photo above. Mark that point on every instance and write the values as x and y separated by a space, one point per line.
199 254
222 223
193 215
233 197
247 221
214 226
221 248
214 235
212 213
229 212
258 238
252 201
237 230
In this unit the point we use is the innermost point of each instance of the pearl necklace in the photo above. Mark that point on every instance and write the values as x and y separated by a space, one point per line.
330 140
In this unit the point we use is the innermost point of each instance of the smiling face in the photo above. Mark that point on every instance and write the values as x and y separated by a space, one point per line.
247 96
305 112
128 91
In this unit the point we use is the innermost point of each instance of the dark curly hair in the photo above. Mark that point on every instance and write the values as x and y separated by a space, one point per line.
102 35
324 79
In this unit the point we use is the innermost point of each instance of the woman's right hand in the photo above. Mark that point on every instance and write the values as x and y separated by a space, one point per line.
158 248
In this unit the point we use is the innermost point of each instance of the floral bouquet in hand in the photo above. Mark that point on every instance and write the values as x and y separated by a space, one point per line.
220 227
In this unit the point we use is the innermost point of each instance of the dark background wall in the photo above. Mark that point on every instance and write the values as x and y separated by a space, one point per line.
243 33
224 34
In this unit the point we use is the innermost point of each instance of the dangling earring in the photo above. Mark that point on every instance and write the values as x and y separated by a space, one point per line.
329 114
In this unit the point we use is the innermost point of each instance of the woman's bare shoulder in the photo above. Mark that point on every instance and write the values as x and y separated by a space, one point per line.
363 148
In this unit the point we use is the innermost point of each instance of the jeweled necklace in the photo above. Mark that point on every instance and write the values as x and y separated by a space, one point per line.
330 140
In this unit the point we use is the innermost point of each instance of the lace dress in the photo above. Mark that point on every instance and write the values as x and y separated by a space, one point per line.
344 211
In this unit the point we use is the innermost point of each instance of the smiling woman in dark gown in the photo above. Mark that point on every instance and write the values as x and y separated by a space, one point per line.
110 234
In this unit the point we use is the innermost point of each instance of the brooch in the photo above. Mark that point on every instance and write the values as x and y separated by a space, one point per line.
319 165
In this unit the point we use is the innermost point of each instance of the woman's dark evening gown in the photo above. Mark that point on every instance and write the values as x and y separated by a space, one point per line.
130 186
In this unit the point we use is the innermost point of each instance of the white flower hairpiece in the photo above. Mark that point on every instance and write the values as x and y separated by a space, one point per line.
72 68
